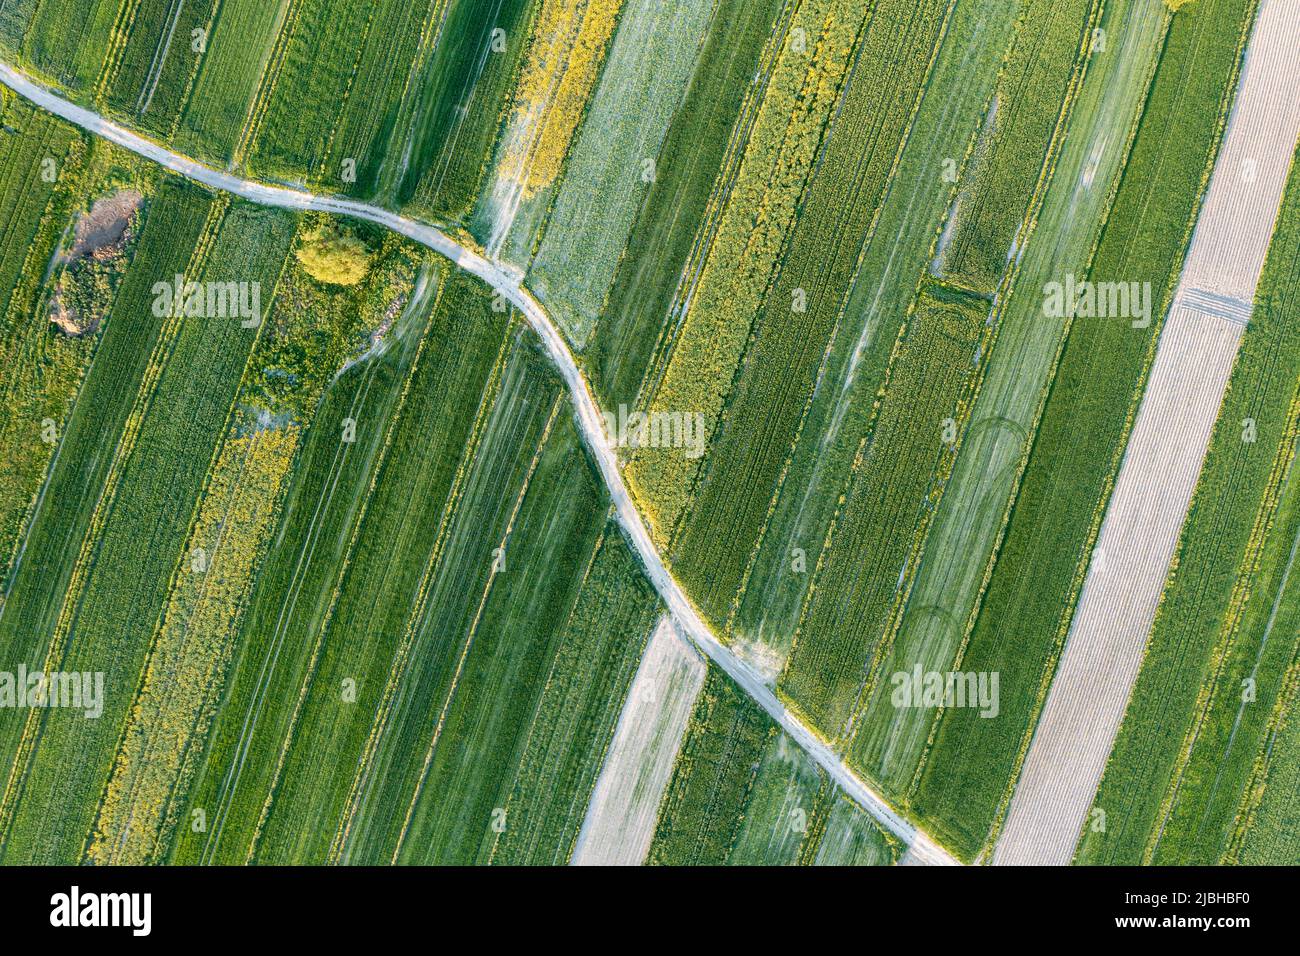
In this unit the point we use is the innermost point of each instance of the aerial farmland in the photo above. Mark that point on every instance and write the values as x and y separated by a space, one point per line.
620 432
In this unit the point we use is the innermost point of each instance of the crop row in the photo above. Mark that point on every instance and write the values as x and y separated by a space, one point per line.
368 131
549 100
457 101
230 71
42 367
743 793
584 692
852 838
321 54
473 549
703 808
462 805
363 639
185 671
1016 370
347 408
66 41
164 44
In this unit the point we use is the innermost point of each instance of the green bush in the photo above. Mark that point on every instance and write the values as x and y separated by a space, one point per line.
334 255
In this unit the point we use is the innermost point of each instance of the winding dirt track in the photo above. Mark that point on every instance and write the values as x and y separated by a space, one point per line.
1163 460
592 425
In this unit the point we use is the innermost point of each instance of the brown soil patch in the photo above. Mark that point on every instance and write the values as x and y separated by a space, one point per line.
100 232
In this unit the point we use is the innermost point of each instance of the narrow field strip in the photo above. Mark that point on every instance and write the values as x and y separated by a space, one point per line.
676 220
1163 460
1075 189
1079 441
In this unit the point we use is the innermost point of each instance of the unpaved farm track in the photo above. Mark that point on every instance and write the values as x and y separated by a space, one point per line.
588 416
1163 460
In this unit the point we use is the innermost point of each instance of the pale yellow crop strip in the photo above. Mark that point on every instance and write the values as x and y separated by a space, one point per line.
157 630
376 469
361 779
96 849
198 509
469 636
773 176
194 752
81 569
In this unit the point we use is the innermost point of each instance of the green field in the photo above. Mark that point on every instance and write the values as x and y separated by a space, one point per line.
889 743
47 367
876 300
119 586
